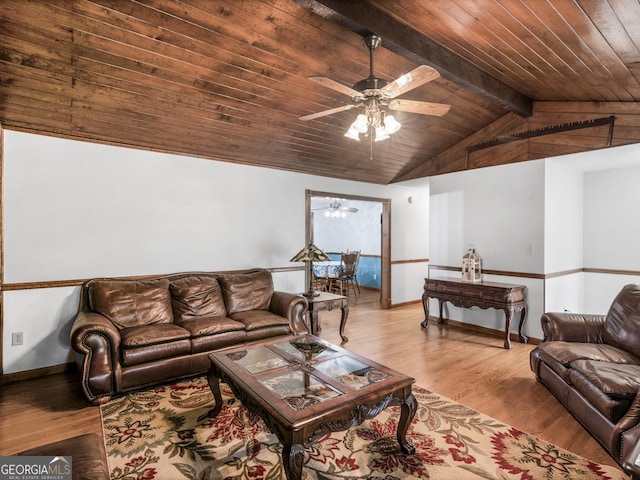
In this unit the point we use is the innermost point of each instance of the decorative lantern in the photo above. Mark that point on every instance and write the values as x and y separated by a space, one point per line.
471 266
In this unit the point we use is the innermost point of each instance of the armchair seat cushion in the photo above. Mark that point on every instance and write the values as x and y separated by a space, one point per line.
612 408
617 380
560 355
568 352
151 342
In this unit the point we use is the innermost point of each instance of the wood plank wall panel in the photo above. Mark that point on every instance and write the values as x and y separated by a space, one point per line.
545 114
228 79
223 80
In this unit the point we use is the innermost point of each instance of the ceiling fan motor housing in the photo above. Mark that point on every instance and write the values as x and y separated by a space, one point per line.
370 83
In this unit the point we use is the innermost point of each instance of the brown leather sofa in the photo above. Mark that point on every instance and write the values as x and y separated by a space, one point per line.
591 363
132 333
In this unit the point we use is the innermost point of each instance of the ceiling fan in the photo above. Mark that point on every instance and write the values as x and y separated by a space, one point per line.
371 93
335 209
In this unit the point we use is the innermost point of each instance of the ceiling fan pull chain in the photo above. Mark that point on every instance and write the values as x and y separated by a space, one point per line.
371 151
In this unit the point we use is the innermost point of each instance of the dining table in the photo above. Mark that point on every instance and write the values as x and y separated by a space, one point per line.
328 269
325 273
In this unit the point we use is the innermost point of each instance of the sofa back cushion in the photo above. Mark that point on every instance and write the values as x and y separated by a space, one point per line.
247 291
196 296
132 303
622 325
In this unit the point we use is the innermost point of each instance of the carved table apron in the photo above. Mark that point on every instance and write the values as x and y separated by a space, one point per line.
501 296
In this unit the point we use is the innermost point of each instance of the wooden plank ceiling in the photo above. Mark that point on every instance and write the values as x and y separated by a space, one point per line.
228 80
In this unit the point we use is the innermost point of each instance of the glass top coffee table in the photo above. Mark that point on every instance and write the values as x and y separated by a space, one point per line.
304 387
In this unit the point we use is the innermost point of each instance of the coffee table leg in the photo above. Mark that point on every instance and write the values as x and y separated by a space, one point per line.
214 385
407 412
293 458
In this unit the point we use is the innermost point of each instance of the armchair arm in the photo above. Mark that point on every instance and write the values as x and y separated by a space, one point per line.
628 428
292 306
97 341
572 327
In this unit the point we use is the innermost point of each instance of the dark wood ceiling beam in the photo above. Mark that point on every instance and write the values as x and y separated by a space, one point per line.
360 18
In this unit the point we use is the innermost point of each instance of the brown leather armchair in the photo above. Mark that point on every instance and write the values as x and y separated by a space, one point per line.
591 363
131 333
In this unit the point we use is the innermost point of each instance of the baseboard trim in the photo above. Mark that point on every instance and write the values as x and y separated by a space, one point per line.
38 372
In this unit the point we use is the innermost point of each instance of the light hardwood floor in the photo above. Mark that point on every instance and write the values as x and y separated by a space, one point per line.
470 367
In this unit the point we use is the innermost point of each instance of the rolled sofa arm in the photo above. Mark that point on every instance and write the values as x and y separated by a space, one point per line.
572 327
97 341
628 429
292 306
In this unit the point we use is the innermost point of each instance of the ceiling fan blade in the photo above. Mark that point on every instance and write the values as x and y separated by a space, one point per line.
327 112
424 108
416 77
349 209
333 85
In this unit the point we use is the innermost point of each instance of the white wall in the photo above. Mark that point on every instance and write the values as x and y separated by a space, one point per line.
563 218
75 210
355 231
611 231
572 212
499 210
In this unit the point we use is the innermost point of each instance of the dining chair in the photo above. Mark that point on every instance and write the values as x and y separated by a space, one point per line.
348 272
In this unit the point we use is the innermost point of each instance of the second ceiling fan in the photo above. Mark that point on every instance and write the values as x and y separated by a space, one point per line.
371 93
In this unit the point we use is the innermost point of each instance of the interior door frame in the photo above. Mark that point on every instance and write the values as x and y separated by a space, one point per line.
385 241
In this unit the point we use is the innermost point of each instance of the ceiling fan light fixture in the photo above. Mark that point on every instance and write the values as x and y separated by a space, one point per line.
381 133
361 124
391 125
352 133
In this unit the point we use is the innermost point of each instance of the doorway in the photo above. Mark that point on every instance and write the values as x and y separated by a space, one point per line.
384 232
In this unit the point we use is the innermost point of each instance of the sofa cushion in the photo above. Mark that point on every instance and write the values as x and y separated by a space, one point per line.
257 319
207 343
152 342
200 326
196 296
132 303
247 291
622 325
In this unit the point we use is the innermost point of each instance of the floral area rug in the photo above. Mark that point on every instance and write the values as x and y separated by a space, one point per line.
165 433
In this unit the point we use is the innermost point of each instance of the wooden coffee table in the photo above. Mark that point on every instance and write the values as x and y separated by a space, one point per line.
304 387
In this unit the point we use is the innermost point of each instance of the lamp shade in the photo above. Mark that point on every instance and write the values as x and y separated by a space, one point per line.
310 253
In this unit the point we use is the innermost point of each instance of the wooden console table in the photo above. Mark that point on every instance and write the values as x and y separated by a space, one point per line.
501 296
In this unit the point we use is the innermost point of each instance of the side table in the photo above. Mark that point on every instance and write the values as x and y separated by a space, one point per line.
327 301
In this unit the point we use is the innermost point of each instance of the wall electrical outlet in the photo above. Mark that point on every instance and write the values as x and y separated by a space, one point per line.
17 338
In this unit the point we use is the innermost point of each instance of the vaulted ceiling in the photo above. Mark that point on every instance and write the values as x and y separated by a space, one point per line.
229 80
